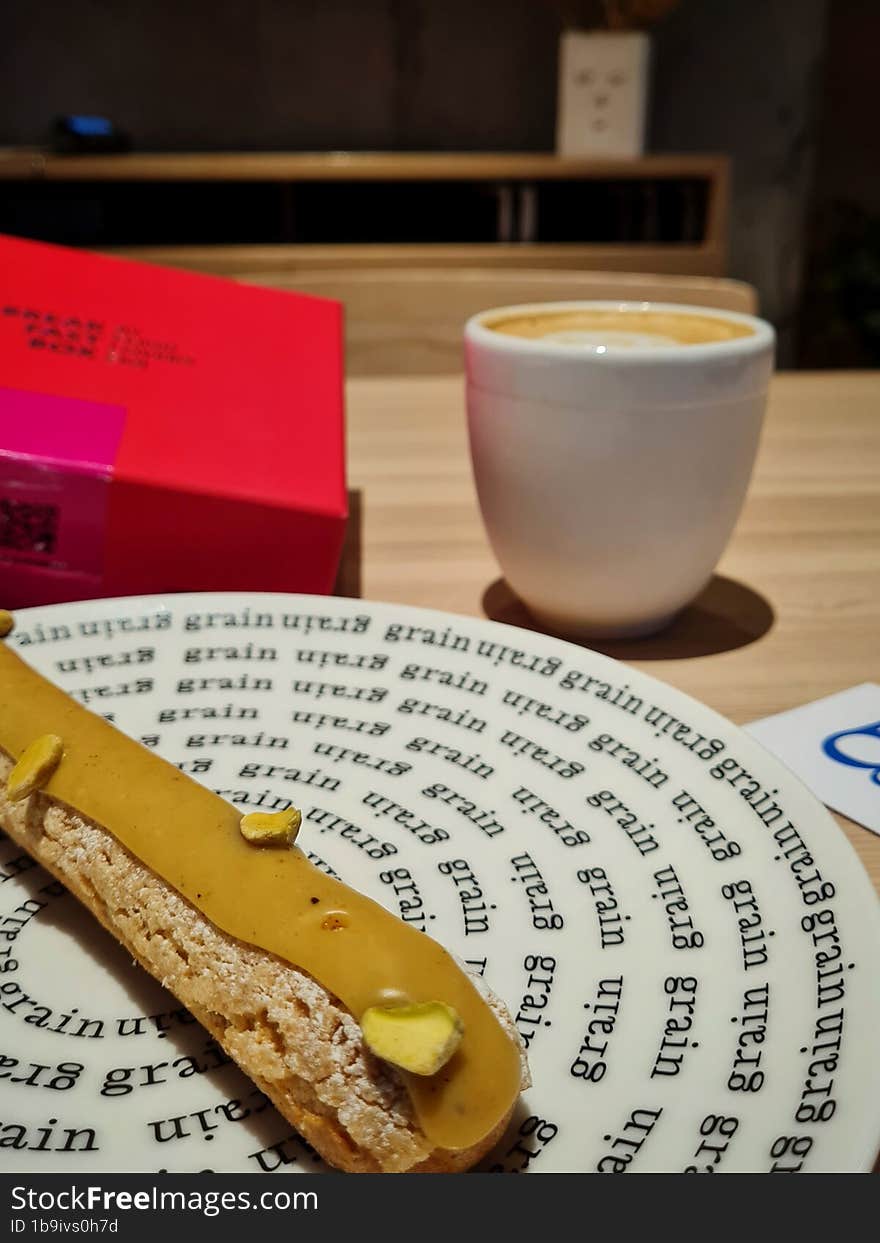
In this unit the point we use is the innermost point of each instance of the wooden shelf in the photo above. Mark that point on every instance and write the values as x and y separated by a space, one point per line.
660 213
17 164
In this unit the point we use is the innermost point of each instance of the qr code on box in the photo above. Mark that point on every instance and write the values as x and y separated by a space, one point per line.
27 529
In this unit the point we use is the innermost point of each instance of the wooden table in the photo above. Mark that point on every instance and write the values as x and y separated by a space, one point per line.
794 611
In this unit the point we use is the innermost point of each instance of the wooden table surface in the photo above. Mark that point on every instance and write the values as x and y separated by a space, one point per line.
793 612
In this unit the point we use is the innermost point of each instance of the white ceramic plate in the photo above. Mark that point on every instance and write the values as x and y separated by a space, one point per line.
688 942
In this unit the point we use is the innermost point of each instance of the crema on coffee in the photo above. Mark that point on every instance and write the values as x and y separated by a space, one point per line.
620 328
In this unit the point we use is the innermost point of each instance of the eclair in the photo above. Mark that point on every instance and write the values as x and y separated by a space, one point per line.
367 1035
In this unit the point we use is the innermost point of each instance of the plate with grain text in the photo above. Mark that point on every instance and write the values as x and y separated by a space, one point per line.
687 941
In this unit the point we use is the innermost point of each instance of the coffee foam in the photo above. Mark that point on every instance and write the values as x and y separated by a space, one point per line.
621 329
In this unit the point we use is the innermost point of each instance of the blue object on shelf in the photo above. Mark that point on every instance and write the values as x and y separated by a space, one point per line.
79 134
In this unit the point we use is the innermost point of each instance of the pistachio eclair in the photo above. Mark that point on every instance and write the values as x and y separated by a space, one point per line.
284 965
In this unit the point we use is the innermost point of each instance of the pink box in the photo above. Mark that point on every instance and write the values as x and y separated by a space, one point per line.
162 431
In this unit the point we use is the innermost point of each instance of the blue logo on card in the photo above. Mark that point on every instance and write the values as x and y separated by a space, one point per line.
831 747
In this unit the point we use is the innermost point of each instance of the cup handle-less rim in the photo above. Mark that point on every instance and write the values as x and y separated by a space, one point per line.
478 332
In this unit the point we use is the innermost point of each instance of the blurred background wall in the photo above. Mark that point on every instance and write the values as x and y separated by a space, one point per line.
749 77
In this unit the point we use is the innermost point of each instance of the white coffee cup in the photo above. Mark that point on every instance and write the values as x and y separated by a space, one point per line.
611 468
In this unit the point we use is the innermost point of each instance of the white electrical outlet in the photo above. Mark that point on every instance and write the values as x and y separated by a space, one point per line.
603 93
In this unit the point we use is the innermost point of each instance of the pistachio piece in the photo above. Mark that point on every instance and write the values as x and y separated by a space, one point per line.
271 828
35 766
420 1038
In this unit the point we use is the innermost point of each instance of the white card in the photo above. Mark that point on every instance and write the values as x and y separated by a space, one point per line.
834 747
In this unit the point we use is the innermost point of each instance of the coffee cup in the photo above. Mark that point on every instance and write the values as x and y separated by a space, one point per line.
612 445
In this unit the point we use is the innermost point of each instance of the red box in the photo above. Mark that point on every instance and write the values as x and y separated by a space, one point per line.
162 431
